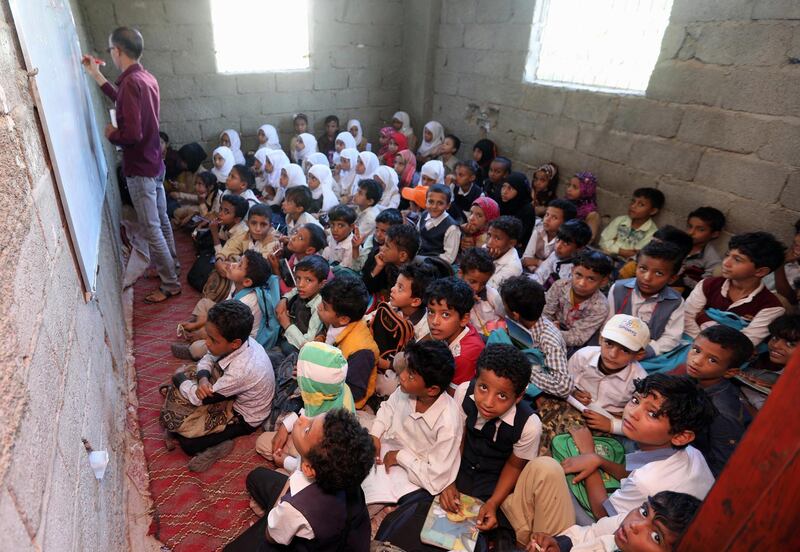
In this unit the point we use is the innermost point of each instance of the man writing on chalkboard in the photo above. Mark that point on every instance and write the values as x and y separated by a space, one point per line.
136 131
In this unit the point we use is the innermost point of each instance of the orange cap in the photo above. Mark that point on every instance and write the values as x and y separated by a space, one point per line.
416 194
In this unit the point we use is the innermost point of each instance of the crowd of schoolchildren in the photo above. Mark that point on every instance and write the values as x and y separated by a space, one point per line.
395 313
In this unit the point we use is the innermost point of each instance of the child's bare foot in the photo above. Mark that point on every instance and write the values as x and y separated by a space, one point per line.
257 510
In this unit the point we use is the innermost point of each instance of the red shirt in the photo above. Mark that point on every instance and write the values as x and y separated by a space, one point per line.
466 352
137 104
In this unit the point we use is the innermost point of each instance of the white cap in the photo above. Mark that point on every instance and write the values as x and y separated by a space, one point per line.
628 331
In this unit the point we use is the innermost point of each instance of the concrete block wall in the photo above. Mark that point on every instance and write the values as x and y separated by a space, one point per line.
356 64
61 358
719 124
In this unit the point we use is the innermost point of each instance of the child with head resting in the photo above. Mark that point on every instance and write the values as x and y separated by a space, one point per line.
655 526
499 169
703 225
439 234
476 269
465 189
259 237
408 295
582 191
230 139
576 305
571 239
366 199
339 250
663 418
543 187
323 506
627 234
365 248
475 232
740 290
399 247
344 302
241 182
503 237
309 239
448 151
296 202
297 312
543 236
230 222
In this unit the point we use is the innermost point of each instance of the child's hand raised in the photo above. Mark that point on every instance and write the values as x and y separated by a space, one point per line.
450 498
358 239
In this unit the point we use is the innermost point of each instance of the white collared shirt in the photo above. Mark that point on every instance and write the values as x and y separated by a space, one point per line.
507 266
488 311
285 522
548 266
612 391
339 252
539 246
366 220
304 218
598 537
452 237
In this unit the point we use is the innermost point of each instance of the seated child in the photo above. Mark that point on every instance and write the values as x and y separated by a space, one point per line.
716 352
543 187
576 305
504 233
543 238
297 312
483 153
439 234
787 276
649 297
344 302
666 233
476 269
242 372
419 428
408 295
366 199
308 239
259 237
740 289
657 524
241 182
339 250
366 248
296 203
449 302
465 189
448 151
400 247
300 122
499 169
323 507
704 225
523 301
230 223
571 238
582 191
205 201
475 232
663 417
627 234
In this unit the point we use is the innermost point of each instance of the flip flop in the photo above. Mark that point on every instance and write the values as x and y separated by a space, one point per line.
166 295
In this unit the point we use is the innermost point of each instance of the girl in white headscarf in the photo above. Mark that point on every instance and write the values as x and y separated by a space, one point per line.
354 127
402 123
268 137
432 138
348 159
305 146
320 182
366 166
388 179
276 161
432 173
230 138
344 140
260 160
318 158
292 175
223 163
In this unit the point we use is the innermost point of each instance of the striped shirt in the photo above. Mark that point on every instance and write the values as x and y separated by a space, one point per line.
556 380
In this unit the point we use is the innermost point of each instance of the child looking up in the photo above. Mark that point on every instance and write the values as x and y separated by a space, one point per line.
309 239
571 238
476 269
704 225
543 236
627 234
258 237
582 191
448 151
366 199
400 247
432 139
515 201
543 187
295 204
230 139
230 222
340 244
241 182
465 190
408 295
499 169
297 312
483 153
439 234
504 234
223 160
474 232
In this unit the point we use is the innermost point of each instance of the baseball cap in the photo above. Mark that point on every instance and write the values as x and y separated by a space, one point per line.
416 194
628 331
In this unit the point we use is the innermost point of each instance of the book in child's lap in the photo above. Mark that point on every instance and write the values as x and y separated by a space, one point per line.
387 487
452 531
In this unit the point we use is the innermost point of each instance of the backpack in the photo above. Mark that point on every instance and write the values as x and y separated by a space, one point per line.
180 416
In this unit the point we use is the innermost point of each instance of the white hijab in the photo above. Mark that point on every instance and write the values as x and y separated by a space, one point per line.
346 178
325 188
403 116
389 180
236 145
226 153
347 139
262 177
438 137
278 160
356 123
433 169
295 175
317 158
273 142
371 165
309 146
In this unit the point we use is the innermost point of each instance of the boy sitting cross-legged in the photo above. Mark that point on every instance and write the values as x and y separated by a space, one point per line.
399 247
476 269
340 243
297 311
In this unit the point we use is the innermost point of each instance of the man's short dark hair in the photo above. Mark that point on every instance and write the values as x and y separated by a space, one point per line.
596 261
664 250
390 216
568 209
258 269
347 296
575 231
503 161
346 454
786 327
524 296
456 142
372 190
674 510
233 319
440 189
405 238
510 226
432 360
677 236
761 247
342 213
653 195
456 293
732 340
506 361
300 196
332 119
687 407
314 264
711 216
476 258
260 210
129 41
317 238
240 204
421 275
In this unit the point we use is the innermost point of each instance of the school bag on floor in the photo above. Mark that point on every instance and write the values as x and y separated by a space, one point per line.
180 416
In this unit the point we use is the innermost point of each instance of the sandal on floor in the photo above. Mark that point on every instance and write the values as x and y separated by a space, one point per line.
159 296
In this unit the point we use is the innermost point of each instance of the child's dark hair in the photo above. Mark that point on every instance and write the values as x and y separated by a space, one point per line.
233 319
506 361
441 189
470 165
258 269
342 213
347 295
510 226
260 210
654 196
544 197
456 293
405 238
524 296
300 196
240 205
317 238
392 217
504 161
732 340
677 236
246 175
476 258
674 510
372 189
421 275
300 116
568 209
786 327
711 216
762 248
164 136
575 231
343 458
332 119
432 360
664 250
456 142
315 264
209 180
685 405
596 261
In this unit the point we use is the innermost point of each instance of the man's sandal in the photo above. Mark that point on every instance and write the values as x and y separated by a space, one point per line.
159 296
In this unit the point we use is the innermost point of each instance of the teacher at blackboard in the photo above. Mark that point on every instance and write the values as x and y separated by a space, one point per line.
137 101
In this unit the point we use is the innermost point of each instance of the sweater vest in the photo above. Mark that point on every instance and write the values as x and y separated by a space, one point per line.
712 289
431 242
667 301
